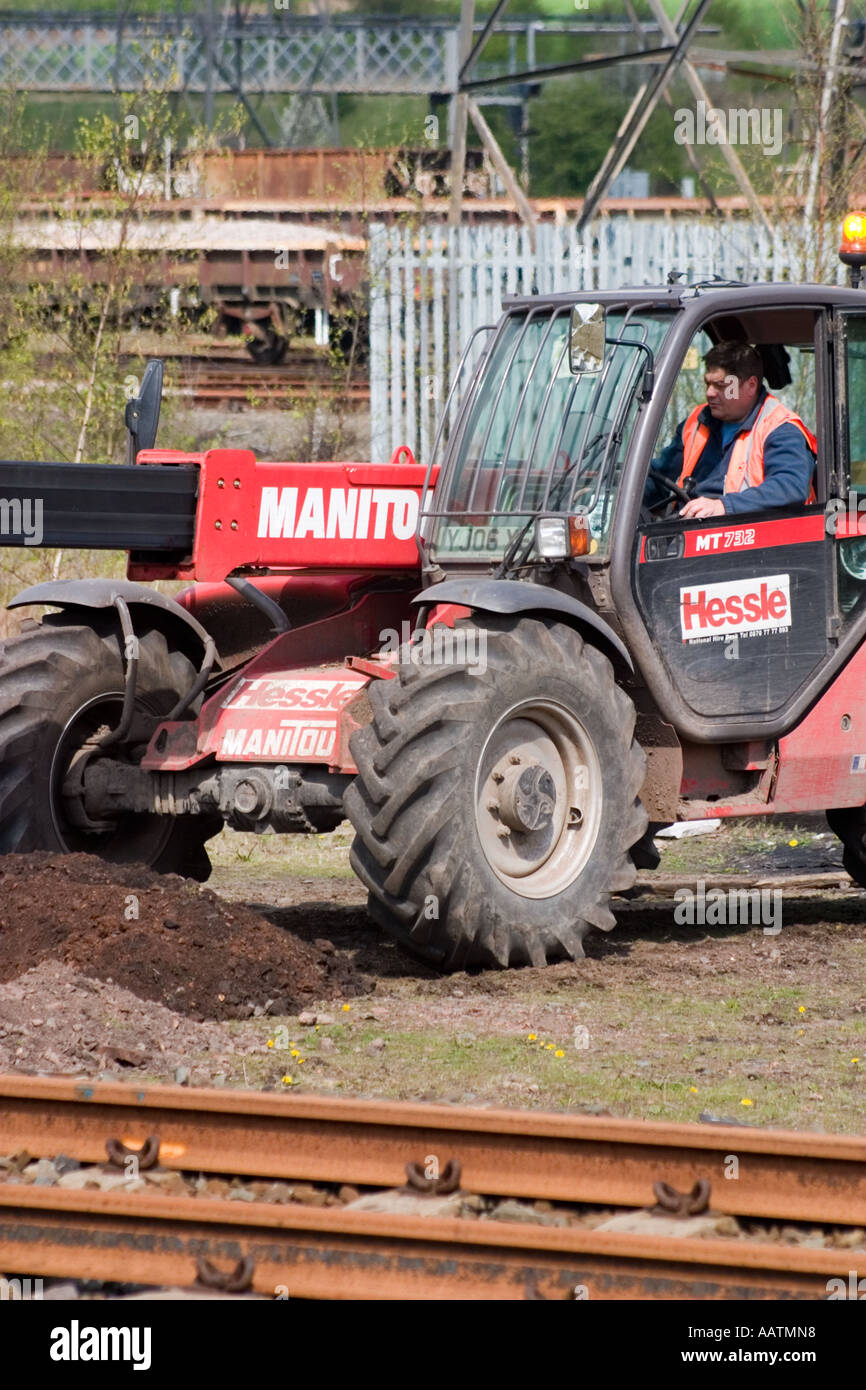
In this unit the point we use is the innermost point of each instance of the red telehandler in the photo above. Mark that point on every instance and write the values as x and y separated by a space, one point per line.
504 666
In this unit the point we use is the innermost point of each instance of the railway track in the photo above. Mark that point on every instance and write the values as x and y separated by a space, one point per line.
211 378
273 386
333 1251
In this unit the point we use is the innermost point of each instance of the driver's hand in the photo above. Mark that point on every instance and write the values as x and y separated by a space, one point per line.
699 507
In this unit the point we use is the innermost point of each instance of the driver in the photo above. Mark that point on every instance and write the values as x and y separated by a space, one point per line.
744 449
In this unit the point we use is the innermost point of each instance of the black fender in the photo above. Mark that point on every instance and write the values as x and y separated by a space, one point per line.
523 596
165 613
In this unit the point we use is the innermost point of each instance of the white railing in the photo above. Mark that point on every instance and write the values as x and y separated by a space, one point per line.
432 286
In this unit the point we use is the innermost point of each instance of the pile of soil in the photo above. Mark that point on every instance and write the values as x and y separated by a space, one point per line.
159 936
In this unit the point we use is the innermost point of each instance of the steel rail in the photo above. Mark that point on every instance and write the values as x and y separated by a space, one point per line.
341 1254
573 1158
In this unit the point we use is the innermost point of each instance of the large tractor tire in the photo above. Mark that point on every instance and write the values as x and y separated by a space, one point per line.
61 682
494 811
849 825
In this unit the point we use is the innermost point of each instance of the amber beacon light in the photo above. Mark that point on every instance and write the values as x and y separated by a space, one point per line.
852 250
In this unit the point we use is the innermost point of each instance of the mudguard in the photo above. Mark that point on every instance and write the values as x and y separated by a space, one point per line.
101 593
523 596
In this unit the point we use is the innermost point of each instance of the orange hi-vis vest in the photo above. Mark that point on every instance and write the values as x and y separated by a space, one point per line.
746 467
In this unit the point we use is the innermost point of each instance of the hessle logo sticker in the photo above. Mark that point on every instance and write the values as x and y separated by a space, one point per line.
739 605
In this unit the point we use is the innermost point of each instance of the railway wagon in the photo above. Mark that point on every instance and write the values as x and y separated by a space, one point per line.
264 278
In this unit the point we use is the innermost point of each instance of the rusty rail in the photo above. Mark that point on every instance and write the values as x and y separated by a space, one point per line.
574 1158
344 1254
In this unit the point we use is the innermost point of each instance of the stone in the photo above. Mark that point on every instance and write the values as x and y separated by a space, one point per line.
277 1192
168 1181
327 1045
216 1187
399 1202
728 1226
472 1202
511 1210
651 1223
307 1019
181 1076
101 1180
178 1295
46 1173
348 1193
849 1240
65 1291
377 1045
309 1196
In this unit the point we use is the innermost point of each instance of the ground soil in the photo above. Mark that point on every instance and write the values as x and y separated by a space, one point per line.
159 936
661 1020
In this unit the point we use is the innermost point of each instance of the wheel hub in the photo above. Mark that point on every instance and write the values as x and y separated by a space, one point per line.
538 798
527 797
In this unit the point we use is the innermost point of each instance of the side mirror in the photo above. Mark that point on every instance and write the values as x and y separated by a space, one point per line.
586 338
142 412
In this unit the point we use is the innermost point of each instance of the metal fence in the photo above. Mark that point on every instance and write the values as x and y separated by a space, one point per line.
432 286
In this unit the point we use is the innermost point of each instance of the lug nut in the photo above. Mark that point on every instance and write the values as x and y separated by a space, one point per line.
503 832
514 759
493 808
499 776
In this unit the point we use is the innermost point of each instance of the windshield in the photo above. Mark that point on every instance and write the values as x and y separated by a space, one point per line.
536 438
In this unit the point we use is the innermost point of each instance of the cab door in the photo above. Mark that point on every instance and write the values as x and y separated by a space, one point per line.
738 610
743 611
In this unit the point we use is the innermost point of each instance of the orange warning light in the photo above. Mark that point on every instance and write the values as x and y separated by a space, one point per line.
853 243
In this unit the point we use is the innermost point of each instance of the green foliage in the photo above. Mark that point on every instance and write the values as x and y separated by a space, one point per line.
573 123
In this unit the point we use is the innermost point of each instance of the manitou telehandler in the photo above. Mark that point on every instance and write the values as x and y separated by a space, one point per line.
501 664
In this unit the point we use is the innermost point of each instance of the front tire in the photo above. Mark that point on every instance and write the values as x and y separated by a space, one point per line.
61 681
494 812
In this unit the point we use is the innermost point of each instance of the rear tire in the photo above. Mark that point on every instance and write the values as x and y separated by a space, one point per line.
494 812
849 825
59 682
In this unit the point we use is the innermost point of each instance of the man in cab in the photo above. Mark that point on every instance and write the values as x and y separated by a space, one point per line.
744 450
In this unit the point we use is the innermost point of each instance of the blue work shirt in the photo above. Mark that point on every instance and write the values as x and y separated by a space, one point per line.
788 464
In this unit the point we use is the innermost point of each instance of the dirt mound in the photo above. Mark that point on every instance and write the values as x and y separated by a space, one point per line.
159 936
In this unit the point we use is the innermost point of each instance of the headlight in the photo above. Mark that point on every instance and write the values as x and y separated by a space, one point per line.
558 537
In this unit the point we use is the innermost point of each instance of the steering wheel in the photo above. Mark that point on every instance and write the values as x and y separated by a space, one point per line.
672 487
645 515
